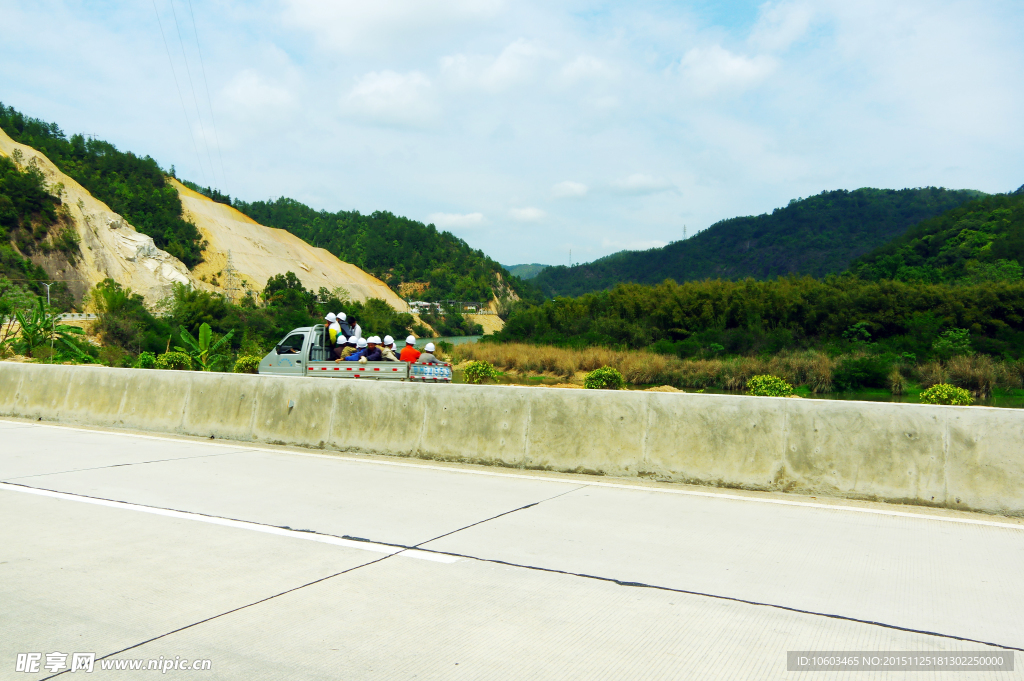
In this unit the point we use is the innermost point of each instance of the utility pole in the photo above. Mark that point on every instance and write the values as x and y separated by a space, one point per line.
52 322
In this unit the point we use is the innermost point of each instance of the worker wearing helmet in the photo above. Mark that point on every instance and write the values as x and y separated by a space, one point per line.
409 353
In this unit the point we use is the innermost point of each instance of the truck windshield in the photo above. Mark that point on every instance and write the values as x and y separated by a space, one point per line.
291 344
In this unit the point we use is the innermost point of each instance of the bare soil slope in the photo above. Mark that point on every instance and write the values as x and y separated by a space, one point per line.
259 252
110 246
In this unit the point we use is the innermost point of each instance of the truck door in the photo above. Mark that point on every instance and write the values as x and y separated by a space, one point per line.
287 359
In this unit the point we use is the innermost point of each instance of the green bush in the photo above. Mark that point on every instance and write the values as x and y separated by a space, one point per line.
856 373
145 360
952 343
769 386
943 393
247 364
478 372
605 378
174 360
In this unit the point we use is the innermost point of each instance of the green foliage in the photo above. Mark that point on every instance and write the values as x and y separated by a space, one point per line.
856 373
981 241
605 378
395 249
208 192
132 186
764 317
953 342
769 386
525 271
179 361
817 236
452 323
204 350
247 364
145 360
29 215
943 393
39 328
478 372
124 320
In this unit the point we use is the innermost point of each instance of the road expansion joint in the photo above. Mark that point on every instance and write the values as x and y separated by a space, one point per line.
131 463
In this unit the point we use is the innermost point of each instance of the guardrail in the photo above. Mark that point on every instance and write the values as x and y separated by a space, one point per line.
969 458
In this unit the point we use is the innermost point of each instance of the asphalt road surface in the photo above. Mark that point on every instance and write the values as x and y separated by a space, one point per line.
273 563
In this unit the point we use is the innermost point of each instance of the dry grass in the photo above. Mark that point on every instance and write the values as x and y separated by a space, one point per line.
813 369
979 374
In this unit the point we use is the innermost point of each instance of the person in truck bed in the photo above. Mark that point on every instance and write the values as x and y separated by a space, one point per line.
409 353
360 349
347 348
428 356
387 350
372 352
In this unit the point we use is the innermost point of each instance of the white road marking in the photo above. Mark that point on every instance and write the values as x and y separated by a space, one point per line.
634 488
238 524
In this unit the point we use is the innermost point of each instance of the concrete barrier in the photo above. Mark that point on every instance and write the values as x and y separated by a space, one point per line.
969 458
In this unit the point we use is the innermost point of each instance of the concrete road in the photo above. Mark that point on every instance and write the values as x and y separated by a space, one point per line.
282 564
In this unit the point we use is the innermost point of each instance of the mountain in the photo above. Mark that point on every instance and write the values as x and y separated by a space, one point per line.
818 235
525 271
980 241
97 212
416 259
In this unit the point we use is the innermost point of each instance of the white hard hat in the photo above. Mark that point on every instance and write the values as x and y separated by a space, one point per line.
353 339
411 340
430 347
342 316
330 317
389 341
373 339
361 343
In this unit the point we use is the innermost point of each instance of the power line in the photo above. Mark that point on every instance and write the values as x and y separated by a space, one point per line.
209 100
178 87
195 100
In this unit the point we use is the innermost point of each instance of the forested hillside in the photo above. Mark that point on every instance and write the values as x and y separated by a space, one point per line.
980 241
525 271
438 265
132 186
817 236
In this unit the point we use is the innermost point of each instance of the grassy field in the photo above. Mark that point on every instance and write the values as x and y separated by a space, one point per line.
814 372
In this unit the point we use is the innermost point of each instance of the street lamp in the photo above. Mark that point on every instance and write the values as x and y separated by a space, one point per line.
53 329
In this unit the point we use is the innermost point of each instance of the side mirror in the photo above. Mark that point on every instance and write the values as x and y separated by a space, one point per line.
282 349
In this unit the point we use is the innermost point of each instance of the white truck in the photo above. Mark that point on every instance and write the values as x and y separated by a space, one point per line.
306 352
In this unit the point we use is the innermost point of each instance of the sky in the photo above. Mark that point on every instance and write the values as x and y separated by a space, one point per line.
536 130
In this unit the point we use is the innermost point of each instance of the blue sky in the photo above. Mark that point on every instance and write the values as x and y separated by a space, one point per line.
533 128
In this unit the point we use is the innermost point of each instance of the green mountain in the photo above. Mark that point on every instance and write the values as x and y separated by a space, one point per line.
525 271
437 265
980 241
818 235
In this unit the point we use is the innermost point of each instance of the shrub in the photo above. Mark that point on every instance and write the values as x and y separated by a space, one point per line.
478 372
145 360
247 364
769 386
174 360
862 372
605 378
943 393
952 343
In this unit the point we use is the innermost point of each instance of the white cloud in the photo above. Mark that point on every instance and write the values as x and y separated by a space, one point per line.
391 98
714 69
249 90
781 24
517 64
569 190
382 25
527 214
456 220
586 67
638 185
